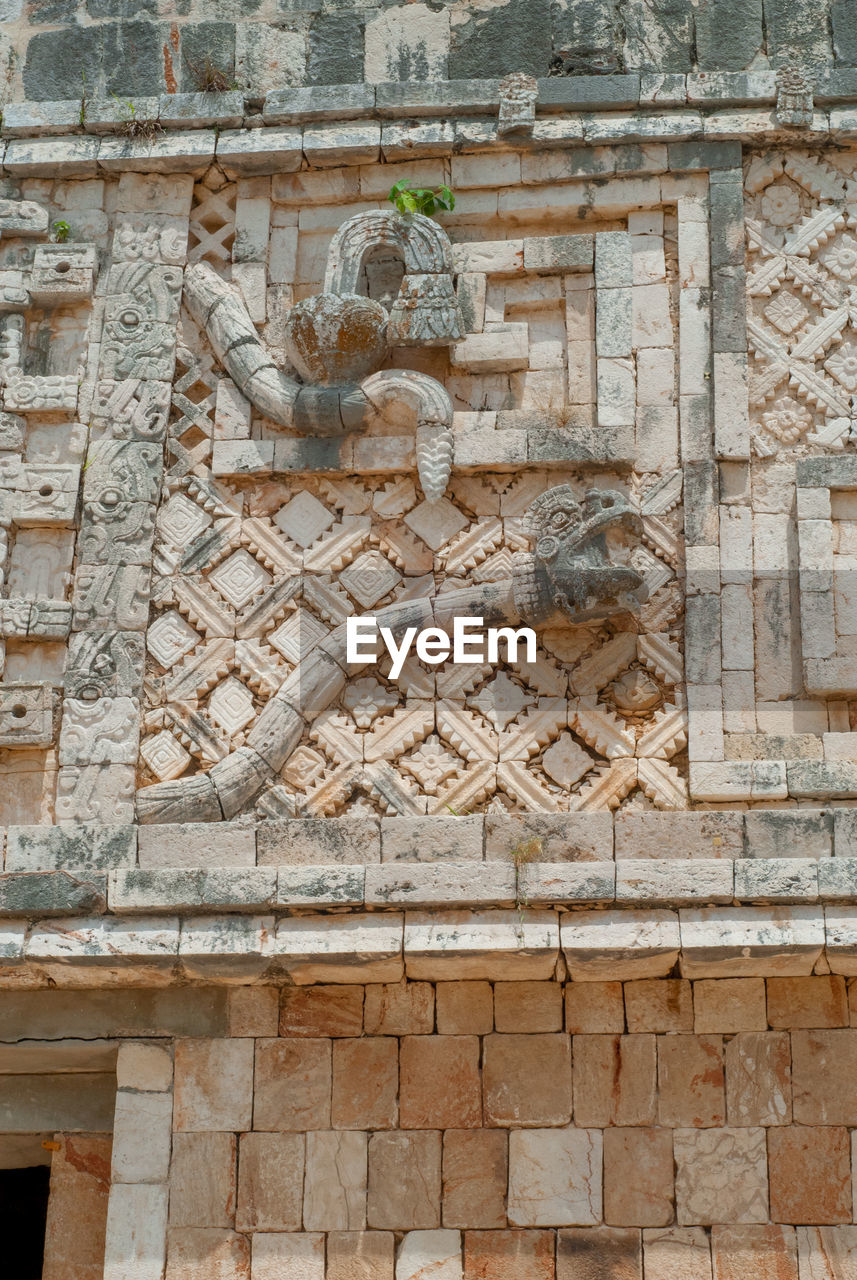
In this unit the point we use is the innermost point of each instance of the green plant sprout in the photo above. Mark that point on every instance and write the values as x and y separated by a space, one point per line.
61 231
134 126
426 200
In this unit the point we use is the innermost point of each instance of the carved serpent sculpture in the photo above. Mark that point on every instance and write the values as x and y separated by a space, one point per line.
569 577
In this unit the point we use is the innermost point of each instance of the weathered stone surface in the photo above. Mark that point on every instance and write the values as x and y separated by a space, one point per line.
615 1080
292 1084
475 1175
721 1176
729 1004
404 1180
638 1177
810 1174
365 1083
554 1177
213 1085
677 1253
807 1002
527 1079
202 1177
439 1082
664 1004
322 1011
769 1252
599 1253
464 1008
77 1208
270 1182
335 1182
758 1079
594 1007
363 1255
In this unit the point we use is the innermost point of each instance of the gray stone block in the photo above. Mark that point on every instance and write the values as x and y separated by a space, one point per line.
443 885
189 110
52 1015
556 837
844 32
658 33
728 33
837 880
514 36
679 882
319 102
679 835
779 880
701 498
684 156
437 98
589 93
587 35
819 473
122 58
702 660
197 844
567 883
815 779
318 841
191 889
845 833
796 37
51 893
77 847
205 46
432 839
24 119
70 1102
559 253
326 886
335 54
805 833
729 308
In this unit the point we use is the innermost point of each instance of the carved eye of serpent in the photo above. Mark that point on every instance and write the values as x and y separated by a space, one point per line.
559 519
547 548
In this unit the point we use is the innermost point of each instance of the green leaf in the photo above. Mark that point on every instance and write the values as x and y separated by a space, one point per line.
408 200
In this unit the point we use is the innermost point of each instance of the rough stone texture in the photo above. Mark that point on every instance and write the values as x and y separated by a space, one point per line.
810 1174
404 1181
721 1175
77 1208
769 1252
691 1081
638 1177
270 1182
615 1080
202 1177
475 1176
825 1088
527 1079
213 1085
439 1084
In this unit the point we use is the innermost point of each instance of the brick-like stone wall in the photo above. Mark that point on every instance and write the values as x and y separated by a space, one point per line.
518 1131
62 49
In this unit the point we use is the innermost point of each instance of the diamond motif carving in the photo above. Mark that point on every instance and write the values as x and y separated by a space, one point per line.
239 578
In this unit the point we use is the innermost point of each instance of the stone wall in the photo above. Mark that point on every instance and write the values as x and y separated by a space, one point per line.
60 49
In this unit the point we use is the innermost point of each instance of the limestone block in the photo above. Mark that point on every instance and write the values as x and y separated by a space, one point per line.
404 1180
615 1080
528 1006
439 1082
201 844
253 1011
691 1081
234 948
84 847
356 948
108 664
677 1253
73 952
729 1005
431 839
810 1174
26 718
589 1254
317 841
328 146
77 1208
179 153
205 1252
363 1255
144 1066
778 880
594 1007
527 1080
807 1002
464 1007
288 1257
335 1181
497 351
804 834
824 1091
398 1009
721 1176
572 837
620 944
769 1252
747 941
758 1079
516 1255
825 1252
293 1084
487 945
555 1177
202 1180
437 884
270 1182
326 1011
365 1083
213 1085
136 1232
430 1255
659 1004
475 1174
638 1177
671 881
545 882
141 1136
95 793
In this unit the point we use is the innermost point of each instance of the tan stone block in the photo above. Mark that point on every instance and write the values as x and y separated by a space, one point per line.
659 1004
202 1180
758 1078
827 1253
360 1255
299 1256
270 1182
439 1082
810 1174
594 1008
599 1253
638 1177
729 1004
526 1080
555 1177
321 1011
475 1174
144 1066
754 1253
615 1080
527 1006
252 1011
77 1208
429 1255
465 1008
676 1253
335 1181
399 1009
721 1176
404 1180
824 1081
293 1080
796 1003
690 1080
213 1085
365 1083
509 1255
205 1253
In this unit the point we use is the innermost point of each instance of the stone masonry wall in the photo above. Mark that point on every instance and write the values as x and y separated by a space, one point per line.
63 49
505 1131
